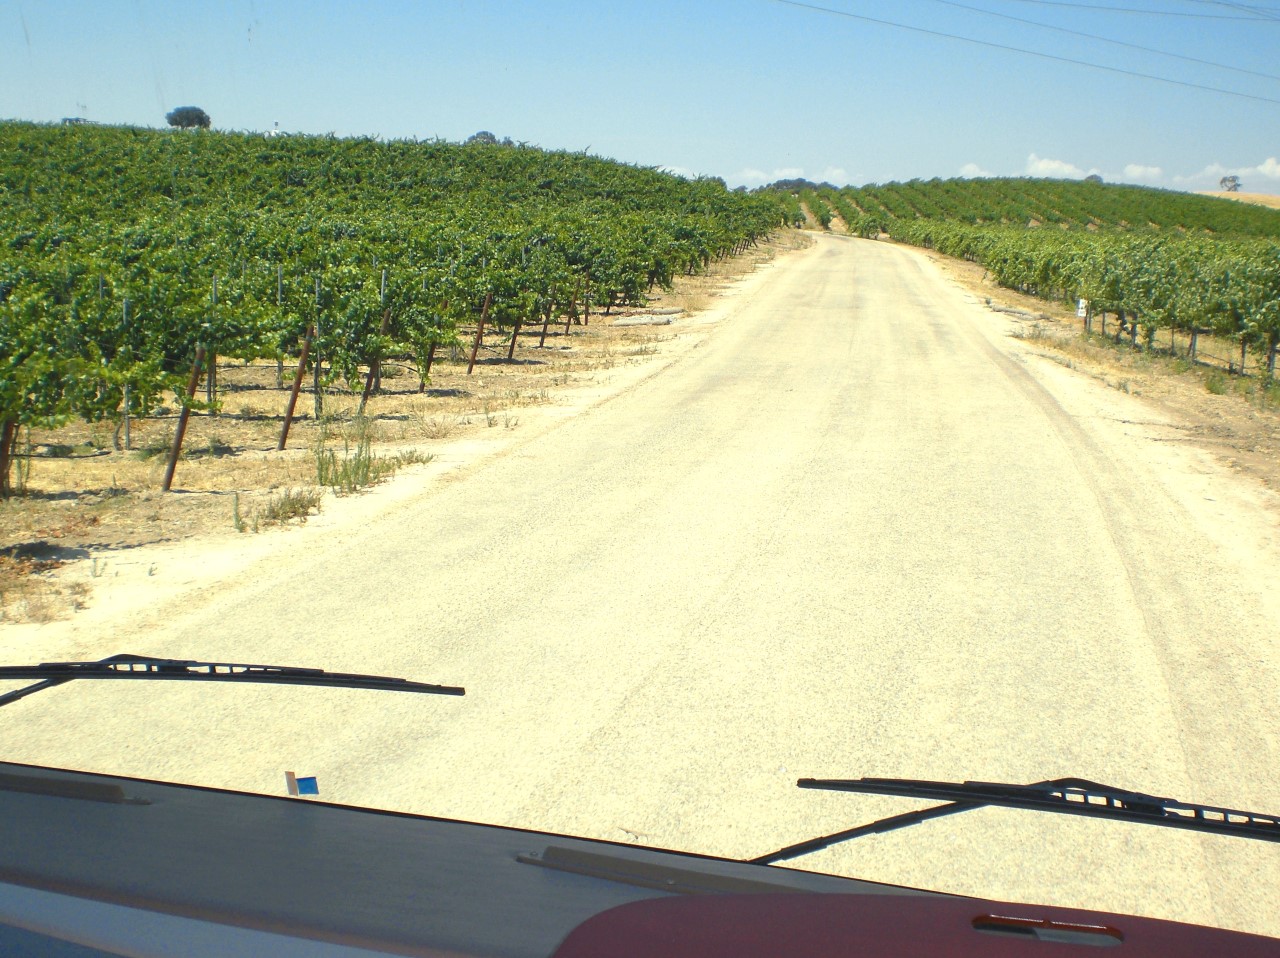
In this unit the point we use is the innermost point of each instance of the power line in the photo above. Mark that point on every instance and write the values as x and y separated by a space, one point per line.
1033 53
1150 13
1260 13
1121 43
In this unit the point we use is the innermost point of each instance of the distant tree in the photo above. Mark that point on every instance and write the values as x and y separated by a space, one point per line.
186 117
795 186
484 136
1093 178
1230 183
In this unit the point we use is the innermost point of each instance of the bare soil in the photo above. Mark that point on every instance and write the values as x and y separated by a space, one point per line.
85 494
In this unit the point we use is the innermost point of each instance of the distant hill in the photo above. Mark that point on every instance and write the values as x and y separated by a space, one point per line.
1065 204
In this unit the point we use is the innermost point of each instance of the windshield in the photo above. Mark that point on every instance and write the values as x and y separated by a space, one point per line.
723 395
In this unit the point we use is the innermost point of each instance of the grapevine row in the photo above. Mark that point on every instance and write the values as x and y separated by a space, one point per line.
124 250
1230 288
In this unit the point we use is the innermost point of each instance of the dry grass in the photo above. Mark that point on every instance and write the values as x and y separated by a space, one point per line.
276 508
1259 199
29 592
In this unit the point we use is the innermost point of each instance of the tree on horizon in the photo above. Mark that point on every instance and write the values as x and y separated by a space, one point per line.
186 117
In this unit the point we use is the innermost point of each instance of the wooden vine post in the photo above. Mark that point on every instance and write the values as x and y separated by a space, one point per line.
515 330
475 346
280 305
572 314
176 449
297 388
375 365
124 322
8 447
511 350
375 361
425 373
315 366
211 380
546 317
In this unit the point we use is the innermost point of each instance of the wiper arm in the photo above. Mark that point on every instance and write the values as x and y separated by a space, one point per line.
143 667
1067 796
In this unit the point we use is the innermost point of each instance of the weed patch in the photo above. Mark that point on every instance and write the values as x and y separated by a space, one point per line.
214 447
28 593
358 467
1269 394
280 508
291 504
155 446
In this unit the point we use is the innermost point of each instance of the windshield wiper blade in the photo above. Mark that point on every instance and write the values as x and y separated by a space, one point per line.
1067 796
142 667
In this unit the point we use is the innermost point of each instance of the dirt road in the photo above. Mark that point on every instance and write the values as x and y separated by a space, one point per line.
858 530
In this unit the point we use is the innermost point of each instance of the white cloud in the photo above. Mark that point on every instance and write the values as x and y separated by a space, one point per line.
679 171
973 169
1043 166
1210 172
1207 179
834 175
1136 171
751 176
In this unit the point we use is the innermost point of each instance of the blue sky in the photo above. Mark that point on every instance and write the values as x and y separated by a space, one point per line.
748 90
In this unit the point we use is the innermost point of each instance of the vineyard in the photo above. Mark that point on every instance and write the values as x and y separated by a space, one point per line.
1155 259
132 261
1066 204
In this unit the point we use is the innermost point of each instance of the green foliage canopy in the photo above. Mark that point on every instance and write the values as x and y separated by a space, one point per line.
123 249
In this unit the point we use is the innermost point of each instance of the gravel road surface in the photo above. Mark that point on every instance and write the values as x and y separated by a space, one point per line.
851 525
